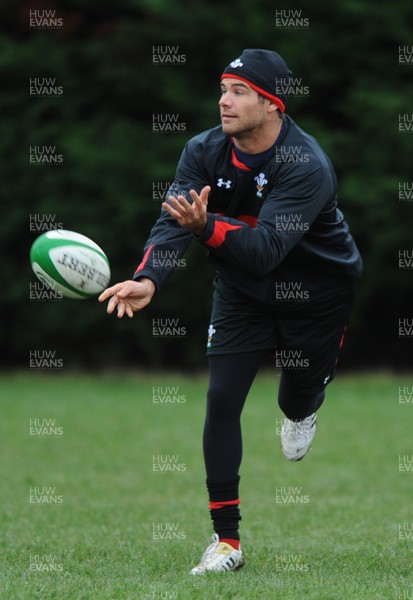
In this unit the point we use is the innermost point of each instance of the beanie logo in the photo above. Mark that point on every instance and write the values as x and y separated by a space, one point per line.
236 63
261 182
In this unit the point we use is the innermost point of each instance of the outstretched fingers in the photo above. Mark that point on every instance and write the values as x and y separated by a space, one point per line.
201 199
116 293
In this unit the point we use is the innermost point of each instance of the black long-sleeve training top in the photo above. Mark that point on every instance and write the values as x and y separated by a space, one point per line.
273 224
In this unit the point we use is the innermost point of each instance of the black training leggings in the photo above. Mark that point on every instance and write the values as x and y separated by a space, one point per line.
231 377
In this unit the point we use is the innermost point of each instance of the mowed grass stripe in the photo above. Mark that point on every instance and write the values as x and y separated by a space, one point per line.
327 527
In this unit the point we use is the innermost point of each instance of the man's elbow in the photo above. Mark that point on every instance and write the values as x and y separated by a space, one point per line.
267 259
265 265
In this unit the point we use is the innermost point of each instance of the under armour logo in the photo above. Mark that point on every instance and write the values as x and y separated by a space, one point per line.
236 63
221 182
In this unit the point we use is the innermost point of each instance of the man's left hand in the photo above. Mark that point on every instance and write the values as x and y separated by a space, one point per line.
190 216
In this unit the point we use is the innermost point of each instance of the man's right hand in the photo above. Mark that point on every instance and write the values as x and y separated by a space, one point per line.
128 296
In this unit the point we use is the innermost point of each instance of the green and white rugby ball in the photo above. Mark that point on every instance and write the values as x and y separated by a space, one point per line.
70 263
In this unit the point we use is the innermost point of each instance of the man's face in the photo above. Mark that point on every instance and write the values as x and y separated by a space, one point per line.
242 111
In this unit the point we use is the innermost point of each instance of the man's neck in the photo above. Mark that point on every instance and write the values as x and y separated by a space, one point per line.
259 141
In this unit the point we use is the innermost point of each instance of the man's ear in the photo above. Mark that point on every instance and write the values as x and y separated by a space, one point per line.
272 107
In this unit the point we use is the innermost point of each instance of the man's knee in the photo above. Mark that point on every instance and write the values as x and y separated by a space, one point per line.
223 401
298 399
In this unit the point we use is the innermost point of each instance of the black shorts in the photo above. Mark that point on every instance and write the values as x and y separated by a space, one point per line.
305 337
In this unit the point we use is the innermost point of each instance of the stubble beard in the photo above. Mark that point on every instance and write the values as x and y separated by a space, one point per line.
245 131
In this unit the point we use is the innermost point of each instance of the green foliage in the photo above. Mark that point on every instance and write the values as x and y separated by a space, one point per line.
102 125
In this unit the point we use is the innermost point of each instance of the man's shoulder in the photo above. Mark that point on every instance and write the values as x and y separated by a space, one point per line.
212 140
295 135
300 150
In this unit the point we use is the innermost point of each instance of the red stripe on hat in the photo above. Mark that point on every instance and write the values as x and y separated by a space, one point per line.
274 99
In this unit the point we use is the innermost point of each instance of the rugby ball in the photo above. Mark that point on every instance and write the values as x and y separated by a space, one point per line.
70 263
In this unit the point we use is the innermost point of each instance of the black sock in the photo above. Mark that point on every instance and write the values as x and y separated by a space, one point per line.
224 508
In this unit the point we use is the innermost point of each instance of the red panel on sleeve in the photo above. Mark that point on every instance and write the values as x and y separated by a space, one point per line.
248 219
145 258
221 229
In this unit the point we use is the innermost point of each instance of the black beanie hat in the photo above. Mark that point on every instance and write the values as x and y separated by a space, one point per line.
263 70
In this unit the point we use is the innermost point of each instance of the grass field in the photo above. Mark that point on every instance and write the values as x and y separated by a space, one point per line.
87 514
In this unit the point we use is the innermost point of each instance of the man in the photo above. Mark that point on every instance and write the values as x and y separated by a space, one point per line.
260 194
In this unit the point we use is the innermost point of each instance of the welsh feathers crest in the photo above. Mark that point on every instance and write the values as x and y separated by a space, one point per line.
261 182
236 63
